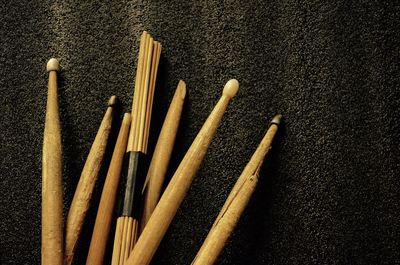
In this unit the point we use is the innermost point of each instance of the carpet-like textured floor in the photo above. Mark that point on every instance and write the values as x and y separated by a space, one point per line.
329 192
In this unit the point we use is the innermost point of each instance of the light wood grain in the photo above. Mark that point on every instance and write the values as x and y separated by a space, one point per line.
138 88
174 194
130 238
83 194
52 205
117 241
125 222
235 203
106 207
145 95
152 85
124 239
162 153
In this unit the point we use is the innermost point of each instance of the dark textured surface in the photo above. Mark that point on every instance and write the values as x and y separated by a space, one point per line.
329 192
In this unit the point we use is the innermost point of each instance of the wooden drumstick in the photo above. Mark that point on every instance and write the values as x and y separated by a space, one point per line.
174 194
83 194
162 154
52 205
236 202
104 213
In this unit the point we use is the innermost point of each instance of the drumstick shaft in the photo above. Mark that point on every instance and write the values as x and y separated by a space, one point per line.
52 206
236 202
104 213
162 153
83 194
173 196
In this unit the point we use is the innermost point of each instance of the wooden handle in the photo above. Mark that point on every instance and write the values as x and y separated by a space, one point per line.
80 202
52 205
162 153
173 196
106 207
117 241
236 202
125 238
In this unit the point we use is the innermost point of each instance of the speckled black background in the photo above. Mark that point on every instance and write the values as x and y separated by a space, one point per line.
329 192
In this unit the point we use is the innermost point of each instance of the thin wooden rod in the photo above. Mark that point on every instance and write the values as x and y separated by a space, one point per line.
153 77
138 78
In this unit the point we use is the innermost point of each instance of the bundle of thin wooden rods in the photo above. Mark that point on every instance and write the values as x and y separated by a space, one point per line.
146 73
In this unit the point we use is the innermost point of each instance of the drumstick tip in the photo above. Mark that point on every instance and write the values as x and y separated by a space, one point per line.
112 101
231 88
182 88
53 65
277 119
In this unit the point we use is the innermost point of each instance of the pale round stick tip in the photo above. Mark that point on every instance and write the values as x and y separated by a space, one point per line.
182 89
277 119
112 101
127 117
53 65
231 88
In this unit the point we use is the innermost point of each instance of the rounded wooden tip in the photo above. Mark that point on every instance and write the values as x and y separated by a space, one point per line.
277 119
53 65
127 117
231 88
182 89
112 101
